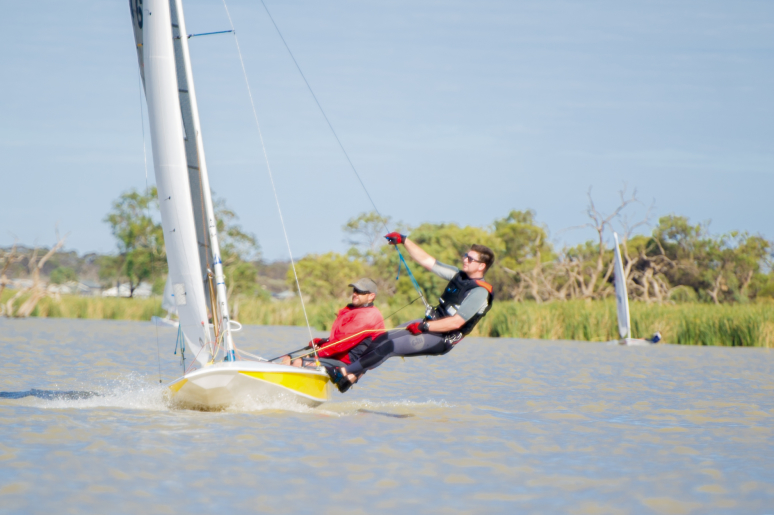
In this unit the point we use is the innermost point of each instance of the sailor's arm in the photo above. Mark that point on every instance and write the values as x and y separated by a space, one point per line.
420 256
445 325
415 251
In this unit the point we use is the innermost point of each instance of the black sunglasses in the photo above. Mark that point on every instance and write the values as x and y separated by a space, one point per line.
467 256
360 292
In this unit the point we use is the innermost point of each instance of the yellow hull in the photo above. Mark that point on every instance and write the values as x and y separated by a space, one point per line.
245 383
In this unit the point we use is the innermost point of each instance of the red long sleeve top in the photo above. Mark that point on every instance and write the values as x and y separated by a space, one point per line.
351 321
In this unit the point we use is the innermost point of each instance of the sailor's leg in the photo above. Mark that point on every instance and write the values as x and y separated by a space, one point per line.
400 343
426 344
376 353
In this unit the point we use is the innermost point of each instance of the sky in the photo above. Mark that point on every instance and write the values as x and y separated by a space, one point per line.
451 112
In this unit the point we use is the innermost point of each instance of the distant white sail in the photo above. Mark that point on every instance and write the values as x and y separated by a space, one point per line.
621 297
157 61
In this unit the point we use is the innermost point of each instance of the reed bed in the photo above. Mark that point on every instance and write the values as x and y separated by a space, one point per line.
744 325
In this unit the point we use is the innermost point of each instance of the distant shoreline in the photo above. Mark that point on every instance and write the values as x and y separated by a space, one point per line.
747 325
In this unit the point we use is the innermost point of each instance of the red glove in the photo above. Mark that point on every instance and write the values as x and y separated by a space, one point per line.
417 327
317 342
394 238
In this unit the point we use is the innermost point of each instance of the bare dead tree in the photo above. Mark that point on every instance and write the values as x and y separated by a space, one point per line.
37 290
7 259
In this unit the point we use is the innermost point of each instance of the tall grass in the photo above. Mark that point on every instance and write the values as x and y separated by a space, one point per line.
690 324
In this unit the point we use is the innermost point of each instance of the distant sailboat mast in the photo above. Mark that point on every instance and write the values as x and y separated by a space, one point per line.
621 296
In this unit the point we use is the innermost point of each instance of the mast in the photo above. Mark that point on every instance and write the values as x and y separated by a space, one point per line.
176 7
621 296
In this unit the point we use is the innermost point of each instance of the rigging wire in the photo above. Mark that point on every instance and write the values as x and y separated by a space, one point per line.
330 125
341 145
271 176
147 190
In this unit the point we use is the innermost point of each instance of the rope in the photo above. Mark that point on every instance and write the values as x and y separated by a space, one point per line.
411 276
324 115
271 176
330 344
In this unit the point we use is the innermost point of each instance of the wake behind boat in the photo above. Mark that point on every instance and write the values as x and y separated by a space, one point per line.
218 376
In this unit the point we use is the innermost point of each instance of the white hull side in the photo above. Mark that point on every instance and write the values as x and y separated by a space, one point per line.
242 383
632 342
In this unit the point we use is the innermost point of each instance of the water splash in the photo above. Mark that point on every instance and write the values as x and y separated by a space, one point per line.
131 391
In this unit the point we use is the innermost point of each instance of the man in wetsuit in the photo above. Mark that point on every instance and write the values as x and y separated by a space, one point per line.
355 327
466 299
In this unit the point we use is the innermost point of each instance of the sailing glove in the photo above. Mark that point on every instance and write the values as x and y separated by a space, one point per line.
395 238
417 327
317 342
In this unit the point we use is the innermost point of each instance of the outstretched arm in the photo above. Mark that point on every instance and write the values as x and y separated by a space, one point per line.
415 251
420 256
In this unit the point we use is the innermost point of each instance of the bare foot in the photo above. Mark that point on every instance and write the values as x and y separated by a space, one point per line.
285 360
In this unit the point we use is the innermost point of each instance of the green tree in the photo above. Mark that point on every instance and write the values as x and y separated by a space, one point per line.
447 243
239 251
526 254
139 236
365 233
725 268
63 274
327 276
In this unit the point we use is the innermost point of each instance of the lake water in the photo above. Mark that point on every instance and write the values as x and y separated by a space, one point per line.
496 426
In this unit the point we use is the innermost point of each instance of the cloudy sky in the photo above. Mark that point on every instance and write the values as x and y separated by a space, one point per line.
451 111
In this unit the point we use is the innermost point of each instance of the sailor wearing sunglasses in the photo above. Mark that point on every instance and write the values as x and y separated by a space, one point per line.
465 301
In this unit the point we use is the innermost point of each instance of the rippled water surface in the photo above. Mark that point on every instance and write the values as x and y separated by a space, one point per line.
497 426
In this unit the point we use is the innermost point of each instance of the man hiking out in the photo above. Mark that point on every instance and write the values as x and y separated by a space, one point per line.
466 300
355 326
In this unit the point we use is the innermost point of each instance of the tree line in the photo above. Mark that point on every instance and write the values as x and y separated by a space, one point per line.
670 260
678 261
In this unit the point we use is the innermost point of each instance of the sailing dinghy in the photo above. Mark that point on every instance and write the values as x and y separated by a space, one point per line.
218 375
622 304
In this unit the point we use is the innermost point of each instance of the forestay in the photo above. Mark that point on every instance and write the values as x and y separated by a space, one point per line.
153 34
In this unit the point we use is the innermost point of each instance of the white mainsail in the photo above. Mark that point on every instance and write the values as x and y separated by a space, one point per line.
157 61
621 296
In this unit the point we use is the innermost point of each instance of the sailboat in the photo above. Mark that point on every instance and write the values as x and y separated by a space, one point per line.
219 375
622 304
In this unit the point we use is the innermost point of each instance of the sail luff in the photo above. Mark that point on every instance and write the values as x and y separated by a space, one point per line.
220 283
171 170
621 295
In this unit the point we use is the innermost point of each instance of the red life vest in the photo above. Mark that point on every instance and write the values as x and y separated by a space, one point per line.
351 321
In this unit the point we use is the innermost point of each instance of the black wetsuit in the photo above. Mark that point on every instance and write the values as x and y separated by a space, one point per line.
404 343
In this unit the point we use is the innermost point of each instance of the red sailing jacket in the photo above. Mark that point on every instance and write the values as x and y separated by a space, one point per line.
350 321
